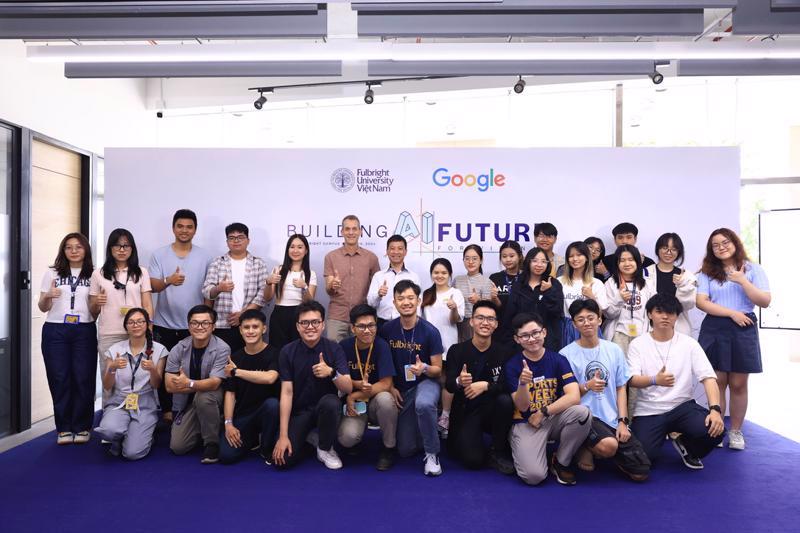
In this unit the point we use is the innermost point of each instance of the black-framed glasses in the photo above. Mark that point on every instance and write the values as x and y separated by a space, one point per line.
310 324
121 247
535 334
203 324
366 327
237 238
139 322
484 318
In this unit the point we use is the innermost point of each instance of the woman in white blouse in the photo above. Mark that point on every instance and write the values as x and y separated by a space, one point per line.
579 283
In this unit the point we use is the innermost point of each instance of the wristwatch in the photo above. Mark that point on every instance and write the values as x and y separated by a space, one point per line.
233 372
625 420
191 384
715 408
544 412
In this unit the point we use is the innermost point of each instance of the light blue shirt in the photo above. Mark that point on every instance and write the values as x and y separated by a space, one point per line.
610 361
175 301
730 294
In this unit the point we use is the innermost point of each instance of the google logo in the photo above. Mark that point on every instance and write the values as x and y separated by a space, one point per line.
483 182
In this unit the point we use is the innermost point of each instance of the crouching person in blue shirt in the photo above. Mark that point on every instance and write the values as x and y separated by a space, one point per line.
312 370
251 393
547 405
601 370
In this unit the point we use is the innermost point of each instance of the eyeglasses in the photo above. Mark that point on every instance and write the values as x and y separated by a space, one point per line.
121 247
591 319
487 319
471 258
721 245
310 324
139 322
78 248
202 324
535 334
237 238
668 250
366 327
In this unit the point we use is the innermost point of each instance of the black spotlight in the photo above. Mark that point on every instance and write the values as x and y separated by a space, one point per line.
369 95
260 101
519 86
656 77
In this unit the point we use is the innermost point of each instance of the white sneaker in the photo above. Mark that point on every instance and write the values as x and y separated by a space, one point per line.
735 439
82 437
329 458
432 466
65 438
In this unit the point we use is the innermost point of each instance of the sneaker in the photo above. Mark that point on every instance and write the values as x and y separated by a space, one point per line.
443 425
735 439
688 459
385 459
114 449
720 444
563 474
432 466
82 437
373 427
210 454
501 463
65 437
329 458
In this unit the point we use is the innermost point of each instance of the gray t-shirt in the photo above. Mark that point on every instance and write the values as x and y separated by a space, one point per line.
174 302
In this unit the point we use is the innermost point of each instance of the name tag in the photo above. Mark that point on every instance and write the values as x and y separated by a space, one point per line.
72 319
408 373
132 402
360 407
633 331
124 310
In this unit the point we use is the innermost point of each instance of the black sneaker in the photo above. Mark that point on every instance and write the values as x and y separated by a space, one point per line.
385 459
501 463
210 454
688 459
564 475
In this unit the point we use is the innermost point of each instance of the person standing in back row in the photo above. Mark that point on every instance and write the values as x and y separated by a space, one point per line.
348 271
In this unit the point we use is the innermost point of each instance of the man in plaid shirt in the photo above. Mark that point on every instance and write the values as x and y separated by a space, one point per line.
235 282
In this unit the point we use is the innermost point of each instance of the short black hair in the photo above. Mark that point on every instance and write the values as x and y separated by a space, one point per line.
666 303
237 226
579 305
184 213
625 227
485 303
311 305
397 238
251 314
200 310
362 310
404 284
663 242
545 227
523 318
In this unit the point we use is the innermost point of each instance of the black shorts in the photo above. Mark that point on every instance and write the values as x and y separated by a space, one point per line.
630 456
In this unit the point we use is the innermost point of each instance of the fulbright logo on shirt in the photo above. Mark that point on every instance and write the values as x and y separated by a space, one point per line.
365 180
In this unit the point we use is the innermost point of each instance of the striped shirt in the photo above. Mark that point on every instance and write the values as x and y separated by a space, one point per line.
730 294
255 277
481 284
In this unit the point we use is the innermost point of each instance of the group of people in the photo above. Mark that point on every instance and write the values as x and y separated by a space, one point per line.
590 350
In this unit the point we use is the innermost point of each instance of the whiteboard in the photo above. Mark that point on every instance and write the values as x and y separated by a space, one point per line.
778 254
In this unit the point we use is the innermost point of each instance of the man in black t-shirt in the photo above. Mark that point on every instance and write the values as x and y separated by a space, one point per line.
624 233
480 403
251 393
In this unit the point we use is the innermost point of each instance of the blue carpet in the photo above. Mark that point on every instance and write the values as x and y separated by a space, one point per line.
78 488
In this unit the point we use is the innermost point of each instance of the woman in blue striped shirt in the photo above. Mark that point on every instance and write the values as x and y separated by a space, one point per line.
729 288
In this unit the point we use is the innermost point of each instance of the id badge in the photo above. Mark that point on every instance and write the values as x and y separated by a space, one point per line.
124 310
361 407
633 331
132 402
408 373
72 319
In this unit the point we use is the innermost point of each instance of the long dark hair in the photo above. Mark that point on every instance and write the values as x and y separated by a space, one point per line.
61 264
588 241
148 335
287 263
429 295
638 276
525 277
478 250
712 266
588 269
134 271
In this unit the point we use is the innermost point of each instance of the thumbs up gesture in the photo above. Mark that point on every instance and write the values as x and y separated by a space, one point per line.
102 297
275 277
545 284
322 370
665 379
418 368
225 285
624 293
494 292
526 376
147 363
597 383
181 381
177 278
677 278
336 283
474 297
464 378
586 292
119 362
366 386
54 291
451 303
383 290
229 367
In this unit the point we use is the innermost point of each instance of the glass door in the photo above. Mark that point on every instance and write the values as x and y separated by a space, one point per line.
6 281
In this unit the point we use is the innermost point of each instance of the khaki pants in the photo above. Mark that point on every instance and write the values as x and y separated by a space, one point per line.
337 330
199 422
381 409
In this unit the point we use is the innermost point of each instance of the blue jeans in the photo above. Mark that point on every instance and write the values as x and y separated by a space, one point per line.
263 421
416 424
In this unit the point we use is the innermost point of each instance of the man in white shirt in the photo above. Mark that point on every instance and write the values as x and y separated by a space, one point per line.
666 365
380 290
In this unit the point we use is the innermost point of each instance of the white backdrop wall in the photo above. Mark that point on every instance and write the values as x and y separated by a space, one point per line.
583 192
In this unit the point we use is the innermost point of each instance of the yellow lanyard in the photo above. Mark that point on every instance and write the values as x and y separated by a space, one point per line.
358 359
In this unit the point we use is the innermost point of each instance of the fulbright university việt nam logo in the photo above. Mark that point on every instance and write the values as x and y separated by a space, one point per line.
343 179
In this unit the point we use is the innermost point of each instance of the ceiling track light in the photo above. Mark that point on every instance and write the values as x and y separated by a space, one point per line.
519 86
260 101
369 94
656 77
